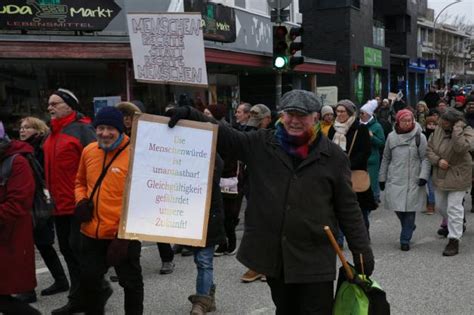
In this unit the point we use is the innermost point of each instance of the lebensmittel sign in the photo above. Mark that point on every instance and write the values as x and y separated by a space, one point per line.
372 57
168 48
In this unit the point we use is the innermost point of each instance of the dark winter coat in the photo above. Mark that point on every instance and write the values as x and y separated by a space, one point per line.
17 256
289 206
215 227
431 99
62 152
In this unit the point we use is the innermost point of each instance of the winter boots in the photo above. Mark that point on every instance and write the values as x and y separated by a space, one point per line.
452 248
203 304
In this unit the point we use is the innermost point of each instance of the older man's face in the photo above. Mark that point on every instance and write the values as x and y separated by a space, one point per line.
296 123
106 135
241 116
57 108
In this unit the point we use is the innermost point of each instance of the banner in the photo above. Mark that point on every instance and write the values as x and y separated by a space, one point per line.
168 191
168 48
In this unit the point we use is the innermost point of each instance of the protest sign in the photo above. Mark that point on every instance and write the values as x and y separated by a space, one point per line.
168 191
168 48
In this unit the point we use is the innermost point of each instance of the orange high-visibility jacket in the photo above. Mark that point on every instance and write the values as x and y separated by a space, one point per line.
109 195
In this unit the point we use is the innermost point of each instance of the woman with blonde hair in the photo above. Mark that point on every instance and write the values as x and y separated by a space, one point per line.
422 111
33 131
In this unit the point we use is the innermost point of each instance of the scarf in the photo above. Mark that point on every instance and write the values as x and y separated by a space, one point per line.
341 131
297 146
114 145
367 122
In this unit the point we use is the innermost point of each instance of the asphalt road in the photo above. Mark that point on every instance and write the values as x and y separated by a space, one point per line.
420 281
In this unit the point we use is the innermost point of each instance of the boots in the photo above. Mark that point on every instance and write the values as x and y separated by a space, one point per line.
202 304
452 248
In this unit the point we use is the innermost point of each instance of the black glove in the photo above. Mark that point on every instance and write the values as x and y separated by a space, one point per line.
176 114
382 186
84 211
368 267
421 182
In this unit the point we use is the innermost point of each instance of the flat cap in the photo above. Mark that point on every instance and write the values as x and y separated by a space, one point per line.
302 101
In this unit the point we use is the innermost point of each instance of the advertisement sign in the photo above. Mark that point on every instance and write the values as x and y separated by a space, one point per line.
59 15
168 190
328 95
359 85
372 57
218 21
168 48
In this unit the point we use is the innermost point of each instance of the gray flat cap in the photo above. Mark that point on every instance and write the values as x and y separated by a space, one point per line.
302 101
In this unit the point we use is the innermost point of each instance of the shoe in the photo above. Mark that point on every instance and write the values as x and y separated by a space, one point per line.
452 248
221 250
27 297
186 252
202 304
430 209
69 308
167 268
405 247
263 278
56 287
443 232
250 276
231 251
114 278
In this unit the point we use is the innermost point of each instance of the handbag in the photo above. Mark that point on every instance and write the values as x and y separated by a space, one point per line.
229 185
85 207
360 178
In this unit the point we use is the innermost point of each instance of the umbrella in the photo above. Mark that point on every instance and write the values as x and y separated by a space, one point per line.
356 294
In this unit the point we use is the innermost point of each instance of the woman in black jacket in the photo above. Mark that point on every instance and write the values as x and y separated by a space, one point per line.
342 133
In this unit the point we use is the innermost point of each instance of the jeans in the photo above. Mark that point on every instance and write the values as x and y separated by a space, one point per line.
166 252
431 194
301 298
407 220
449 204
203 258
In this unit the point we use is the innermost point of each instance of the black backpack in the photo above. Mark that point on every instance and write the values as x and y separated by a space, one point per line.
43 205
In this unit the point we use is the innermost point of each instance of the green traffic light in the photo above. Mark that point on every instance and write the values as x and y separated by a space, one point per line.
280 62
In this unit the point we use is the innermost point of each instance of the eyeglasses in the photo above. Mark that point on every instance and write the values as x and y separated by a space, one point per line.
54 104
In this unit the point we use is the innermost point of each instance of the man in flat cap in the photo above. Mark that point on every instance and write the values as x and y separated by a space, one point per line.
300 182
71 131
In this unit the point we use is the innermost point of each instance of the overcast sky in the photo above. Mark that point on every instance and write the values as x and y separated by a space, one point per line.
464 8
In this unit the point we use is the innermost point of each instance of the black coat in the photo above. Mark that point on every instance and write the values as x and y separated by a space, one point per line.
289 206
359 156
431 99
215 227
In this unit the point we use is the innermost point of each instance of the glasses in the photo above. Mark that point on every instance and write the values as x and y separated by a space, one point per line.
54 104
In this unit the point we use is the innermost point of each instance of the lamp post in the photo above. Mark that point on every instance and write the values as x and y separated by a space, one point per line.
434 28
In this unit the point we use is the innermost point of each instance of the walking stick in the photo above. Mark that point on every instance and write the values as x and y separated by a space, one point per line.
334 244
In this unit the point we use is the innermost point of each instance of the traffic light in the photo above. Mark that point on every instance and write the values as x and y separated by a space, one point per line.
280 47
293 47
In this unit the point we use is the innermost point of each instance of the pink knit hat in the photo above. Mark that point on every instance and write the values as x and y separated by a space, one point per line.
403 113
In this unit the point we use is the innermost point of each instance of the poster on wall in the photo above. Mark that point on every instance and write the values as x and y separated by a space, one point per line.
168 48
168 190
100 102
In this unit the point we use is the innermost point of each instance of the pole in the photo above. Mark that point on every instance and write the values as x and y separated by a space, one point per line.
278 79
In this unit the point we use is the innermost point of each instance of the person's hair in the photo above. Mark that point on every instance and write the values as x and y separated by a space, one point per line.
37 124
247 107
218 110
441 101
425 107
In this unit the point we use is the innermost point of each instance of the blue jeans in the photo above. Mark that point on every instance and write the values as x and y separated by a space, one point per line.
431 194
203 258
407 219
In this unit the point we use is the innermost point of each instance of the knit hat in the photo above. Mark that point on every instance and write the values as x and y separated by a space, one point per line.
128 108
370 107
257 113
109 116
68 97
403 113
452 115
349 105
302 101
422 103
326 110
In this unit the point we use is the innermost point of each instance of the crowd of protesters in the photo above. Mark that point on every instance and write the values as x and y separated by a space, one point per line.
412 158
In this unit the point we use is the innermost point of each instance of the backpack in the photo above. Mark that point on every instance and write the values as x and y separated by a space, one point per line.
42 203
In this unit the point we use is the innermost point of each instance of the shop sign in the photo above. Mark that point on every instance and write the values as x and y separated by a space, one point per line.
60 15
168 48
218 21
359 86
372 57
430 63
377 84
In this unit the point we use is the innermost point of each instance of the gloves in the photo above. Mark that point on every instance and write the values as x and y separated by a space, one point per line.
84 211
368 267
382 186
176 114
117 252
421 182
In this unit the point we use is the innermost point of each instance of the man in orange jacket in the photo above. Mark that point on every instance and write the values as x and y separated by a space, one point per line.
100 246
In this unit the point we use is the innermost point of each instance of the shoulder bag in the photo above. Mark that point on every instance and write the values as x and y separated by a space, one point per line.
360 178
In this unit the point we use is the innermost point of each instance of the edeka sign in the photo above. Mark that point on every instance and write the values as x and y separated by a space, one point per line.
167 48
218 21
372 57
59 15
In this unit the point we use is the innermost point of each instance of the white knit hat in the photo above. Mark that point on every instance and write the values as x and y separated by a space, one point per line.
369 107
326 110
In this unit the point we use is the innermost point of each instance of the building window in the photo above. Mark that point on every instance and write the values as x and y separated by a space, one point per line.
379 33
240 3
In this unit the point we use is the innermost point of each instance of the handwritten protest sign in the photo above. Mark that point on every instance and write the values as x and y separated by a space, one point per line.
168 48
168 190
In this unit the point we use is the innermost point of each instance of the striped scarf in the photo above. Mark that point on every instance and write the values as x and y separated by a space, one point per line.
297 146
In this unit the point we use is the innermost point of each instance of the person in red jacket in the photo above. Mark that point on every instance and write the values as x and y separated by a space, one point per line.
17 263
71 131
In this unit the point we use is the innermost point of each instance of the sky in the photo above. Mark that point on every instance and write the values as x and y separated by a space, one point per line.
464 8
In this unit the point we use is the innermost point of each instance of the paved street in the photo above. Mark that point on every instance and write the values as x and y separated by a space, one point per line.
420 281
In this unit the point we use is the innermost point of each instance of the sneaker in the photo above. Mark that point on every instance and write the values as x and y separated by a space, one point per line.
430 209
186 252
167 268
443 232
250 276
405 247
221 250
231 252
